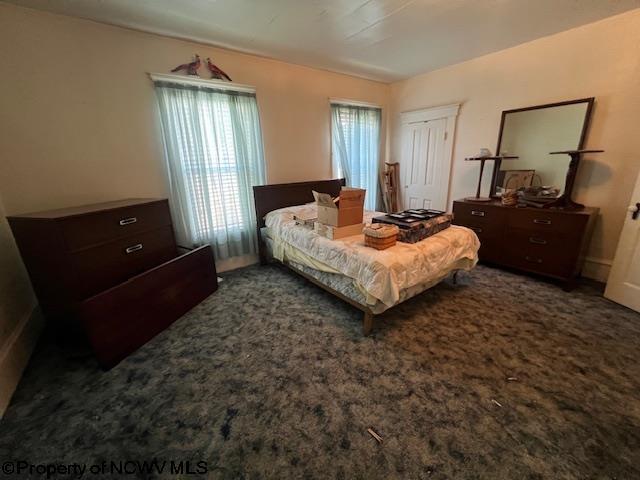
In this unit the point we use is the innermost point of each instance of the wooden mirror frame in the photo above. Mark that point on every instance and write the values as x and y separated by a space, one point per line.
583 135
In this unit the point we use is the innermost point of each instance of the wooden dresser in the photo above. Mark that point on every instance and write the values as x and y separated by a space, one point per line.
115 254
552 243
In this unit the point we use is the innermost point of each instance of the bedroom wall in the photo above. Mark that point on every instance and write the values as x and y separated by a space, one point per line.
78 110
18 324
79 125
599 59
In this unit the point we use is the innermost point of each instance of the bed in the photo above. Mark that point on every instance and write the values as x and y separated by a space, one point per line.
372 281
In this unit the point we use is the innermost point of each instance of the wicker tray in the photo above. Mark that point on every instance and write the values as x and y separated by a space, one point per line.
380 236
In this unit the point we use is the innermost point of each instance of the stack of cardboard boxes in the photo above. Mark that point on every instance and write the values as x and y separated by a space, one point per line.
341 216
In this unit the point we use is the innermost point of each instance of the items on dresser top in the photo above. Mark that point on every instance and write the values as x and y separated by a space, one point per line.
548 242
509 198
416 224
123 252
482 159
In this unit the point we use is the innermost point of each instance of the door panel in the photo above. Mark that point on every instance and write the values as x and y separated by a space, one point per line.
416 202
426 182
624 281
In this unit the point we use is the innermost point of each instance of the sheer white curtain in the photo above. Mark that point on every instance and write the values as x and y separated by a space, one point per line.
213 146
355 134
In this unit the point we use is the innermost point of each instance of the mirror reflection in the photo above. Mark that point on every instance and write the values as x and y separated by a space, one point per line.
531 134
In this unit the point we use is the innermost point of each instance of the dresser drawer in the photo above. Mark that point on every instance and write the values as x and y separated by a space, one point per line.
541 221
489 241
548 252
488 224
91 229
564 246
98 268
117 322
481 219
465 212
121 319
545 263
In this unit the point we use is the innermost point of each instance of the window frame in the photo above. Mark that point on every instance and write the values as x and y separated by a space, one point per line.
238 226
336 172
353 103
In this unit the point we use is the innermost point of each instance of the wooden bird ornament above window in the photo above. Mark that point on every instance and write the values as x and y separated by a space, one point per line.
191 68
217 72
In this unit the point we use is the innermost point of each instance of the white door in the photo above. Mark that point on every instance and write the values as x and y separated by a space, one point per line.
624 280
426 172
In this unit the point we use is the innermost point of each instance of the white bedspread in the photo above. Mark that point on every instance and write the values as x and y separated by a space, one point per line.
382 274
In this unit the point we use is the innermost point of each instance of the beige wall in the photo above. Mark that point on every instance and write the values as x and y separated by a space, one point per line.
78 124
78 110
600 59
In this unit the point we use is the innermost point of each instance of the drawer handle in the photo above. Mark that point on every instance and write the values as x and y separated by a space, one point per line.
476 229
532 259
537 241
541 221
127 221
133 248
477 213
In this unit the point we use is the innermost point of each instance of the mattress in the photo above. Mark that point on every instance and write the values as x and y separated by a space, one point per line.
382 277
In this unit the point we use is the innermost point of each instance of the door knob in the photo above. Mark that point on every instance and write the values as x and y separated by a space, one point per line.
635 211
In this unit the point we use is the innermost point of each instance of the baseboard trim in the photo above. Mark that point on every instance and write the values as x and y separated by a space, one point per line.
596 269
15 354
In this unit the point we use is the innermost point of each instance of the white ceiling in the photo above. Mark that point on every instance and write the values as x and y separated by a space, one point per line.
384 40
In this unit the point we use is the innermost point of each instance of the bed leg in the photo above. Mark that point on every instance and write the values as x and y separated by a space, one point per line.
262 254
367 323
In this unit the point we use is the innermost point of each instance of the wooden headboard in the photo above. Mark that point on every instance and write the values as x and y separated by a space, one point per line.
268 198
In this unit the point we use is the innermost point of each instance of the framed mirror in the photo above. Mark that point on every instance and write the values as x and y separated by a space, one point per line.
531 134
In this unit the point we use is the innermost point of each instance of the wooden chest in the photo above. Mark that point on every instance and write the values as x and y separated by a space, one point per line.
547 242
74 254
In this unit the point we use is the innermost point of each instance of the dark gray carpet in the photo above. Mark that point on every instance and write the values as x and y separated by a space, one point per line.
503 376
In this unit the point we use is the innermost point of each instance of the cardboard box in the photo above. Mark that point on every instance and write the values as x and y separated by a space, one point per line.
335 233
347 209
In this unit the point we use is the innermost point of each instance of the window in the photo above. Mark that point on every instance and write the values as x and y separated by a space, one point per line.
213 146
355 136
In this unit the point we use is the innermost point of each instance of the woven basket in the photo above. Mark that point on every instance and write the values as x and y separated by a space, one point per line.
509 198
380 236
